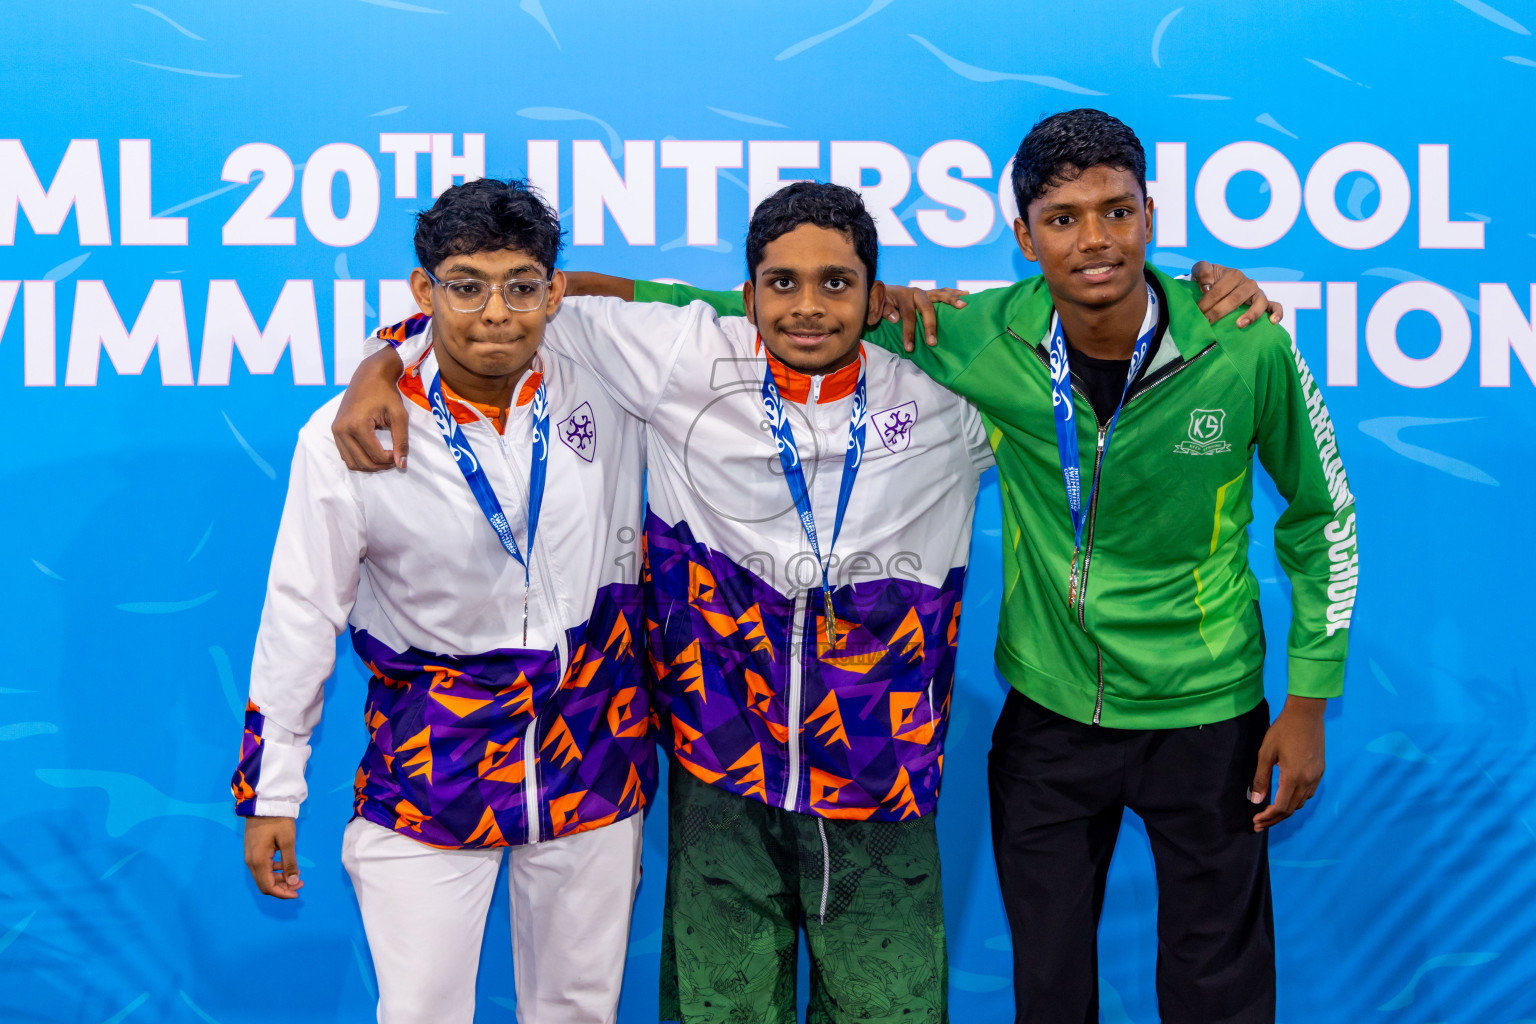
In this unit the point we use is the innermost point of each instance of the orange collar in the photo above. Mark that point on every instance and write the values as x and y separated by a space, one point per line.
462 409
795 386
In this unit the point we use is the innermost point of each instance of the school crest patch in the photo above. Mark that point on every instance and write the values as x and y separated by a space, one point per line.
1205 430
579 431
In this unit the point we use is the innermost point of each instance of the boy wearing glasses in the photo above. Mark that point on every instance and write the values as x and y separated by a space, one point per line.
490 589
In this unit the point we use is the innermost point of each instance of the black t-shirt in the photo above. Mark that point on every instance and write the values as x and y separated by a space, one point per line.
1103 380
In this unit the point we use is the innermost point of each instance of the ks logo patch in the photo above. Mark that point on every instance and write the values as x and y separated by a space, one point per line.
1205 428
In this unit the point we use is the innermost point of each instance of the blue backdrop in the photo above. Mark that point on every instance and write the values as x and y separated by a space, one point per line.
142 506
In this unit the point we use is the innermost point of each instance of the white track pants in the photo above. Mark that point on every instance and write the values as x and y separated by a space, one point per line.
424 911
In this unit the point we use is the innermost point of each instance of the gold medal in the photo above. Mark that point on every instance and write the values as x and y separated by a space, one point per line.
831 619
1072 582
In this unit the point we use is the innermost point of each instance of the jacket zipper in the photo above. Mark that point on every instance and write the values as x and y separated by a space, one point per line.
531 778
531 736
1093 506
792 700
1082 583
797 636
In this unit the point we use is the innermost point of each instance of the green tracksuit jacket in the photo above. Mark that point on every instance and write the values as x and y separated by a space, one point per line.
1167 633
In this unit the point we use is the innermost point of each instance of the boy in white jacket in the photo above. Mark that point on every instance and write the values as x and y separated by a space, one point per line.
491 589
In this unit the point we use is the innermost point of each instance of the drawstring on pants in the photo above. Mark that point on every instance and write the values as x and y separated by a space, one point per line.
826 868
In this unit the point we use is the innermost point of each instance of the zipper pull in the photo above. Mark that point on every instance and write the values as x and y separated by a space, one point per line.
1103 432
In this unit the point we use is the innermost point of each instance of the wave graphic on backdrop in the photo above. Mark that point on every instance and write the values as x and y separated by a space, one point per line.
194 1007
21 730
1400 275
535 10
615 141
226 675
1498 17
261 463
1386 429
1335 72
166 18
125 1012
1111 1006
165 607
15 931
1406 996
181 71
745 118
806 44
1397 744
66 268
966 981
131 800
1381 677
977 74
398 5
1157 35
1268 121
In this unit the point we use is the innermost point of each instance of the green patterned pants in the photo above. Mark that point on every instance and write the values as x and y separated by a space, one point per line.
743 878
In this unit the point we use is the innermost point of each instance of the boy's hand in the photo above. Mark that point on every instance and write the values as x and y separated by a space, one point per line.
1224 290
264 838
909 305
372 402
1295 743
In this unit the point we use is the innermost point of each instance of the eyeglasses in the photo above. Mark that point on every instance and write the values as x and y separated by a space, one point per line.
470 295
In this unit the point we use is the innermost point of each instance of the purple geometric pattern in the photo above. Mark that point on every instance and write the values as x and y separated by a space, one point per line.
873 705
446 765
248 772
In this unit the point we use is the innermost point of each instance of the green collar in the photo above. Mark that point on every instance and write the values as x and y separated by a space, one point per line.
1188 329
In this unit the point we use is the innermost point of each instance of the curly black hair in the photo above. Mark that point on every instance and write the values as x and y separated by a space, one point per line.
1061 147
485 215
812 202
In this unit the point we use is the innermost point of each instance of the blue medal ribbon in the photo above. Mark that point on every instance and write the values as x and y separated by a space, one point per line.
794 474
480 484
1066 427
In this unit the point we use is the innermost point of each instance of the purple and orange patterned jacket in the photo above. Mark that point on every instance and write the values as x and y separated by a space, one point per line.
476 736
753 696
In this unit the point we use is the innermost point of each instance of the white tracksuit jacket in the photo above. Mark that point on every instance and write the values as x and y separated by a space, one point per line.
475 738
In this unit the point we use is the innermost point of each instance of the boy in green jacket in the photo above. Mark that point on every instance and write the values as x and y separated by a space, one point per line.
1125 427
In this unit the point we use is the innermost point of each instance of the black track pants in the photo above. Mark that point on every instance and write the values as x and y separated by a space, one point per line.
1058 790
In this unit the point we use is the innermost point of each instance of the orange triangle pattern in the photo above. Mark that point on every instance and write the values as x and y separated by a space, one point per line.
834 720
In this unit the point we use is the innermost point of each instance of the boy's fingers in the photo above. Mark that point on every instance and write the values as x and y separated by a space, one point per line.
1283 807
949 296
1258 789
288 881
929 317
399 434
1222 298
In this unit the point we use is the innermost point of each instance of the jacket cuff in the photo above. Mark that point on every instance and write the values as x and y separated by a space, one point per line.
270 809
1310 678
